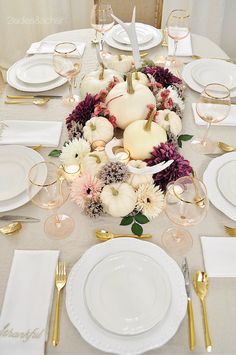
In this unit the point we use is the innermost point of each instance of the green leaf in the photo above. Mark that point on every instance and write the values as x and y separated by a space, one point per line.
183 138
137 229
126 221
141 218
55 153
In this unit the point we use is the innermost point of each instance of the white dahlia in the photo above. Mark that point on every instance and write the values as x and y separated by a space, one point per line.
150 200
74 151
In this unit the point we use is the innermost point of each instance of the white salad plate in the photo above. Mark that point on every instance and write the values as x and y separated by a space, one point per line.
26 158
188 78
227 181
144 34
91 277
210 178
127 293
153 42
15 82
35 70
13 173
206 72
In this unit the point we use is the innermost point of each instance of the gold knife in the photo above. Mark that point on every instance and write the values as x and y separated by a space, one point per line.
192 337
34 96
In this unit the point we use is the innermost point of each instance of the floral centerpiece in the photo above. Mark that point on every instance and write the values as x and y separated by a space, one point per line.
145 110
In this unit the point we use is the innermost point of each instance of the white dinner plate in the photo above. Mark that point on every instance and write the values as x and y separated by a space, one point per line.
156 39
227 181
210 180
206 72
36 70
108 341
24 154
187 75
127 293
19 85
144 34
13 173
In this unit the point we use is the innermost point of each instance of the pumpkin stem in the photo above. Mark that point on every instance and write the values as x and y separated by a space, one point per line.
136 76
119 57
101 74
98 160
93 127
114 191
166 118
130 89
150 118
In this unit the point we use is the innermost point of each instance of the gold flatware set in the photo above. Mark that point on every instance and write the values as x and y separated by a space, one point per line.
106 235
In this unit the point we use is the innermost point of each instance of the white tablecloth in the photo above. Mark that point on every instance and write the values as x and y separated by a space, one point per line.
221 303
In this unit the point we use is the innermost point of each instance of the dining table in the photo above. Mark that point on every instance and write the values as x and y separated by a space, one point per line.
221 305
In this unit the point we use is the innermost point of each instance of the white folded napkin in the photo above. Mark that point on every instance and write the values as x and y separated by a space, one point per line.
228 121
27 303
30 133
47 47
219 256
184 47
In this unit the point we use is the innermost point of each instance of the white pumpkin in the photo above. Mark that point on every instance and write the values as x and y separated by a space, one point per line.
169 120
97 80
140 78
128 103
118 199
137 179
93 162
121 63
98 128
141 136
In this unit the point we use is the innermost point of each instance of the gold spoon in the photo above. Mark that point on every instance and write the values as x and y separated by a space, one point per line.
37 102
11 228
226 147
200 283
194 56
106 235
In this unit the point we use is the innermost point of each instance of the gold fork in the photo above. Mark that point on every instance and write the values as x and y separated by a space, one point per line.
60 281
164 40
230 231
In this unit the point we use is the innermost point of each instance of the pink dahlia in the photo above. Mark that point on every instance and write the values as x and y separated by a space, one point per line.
180 166
85 188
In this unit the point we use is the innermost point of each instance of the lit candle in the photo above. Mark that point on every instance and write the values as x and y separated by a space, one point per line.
71 172
98 146
122 155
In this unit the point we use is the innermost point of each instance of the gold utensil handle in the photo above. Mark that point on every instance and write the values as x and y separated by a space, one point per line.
55 335
208 343
143 236
20 96
192 338
18 102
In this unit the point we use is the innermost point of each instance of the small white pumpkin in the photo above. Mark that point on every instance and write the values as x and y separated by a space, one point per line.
121 63
137 179
118 199
98 128
169 120
93 162
97 80
141 136
140 78
128 103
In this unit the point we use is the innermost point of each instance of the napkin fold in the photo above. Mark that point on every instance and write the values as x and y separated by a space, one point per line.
184 47
31 133
219 256
27 302
230 120
47 47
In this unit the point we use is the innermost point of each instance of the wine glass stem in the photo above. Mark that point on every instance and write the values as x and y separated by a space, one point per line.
175 49
71 82
204 138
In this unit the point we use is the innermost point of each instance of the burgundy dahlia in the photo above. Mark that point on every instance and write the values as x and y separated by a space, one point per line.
180 167
162 76
82 112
